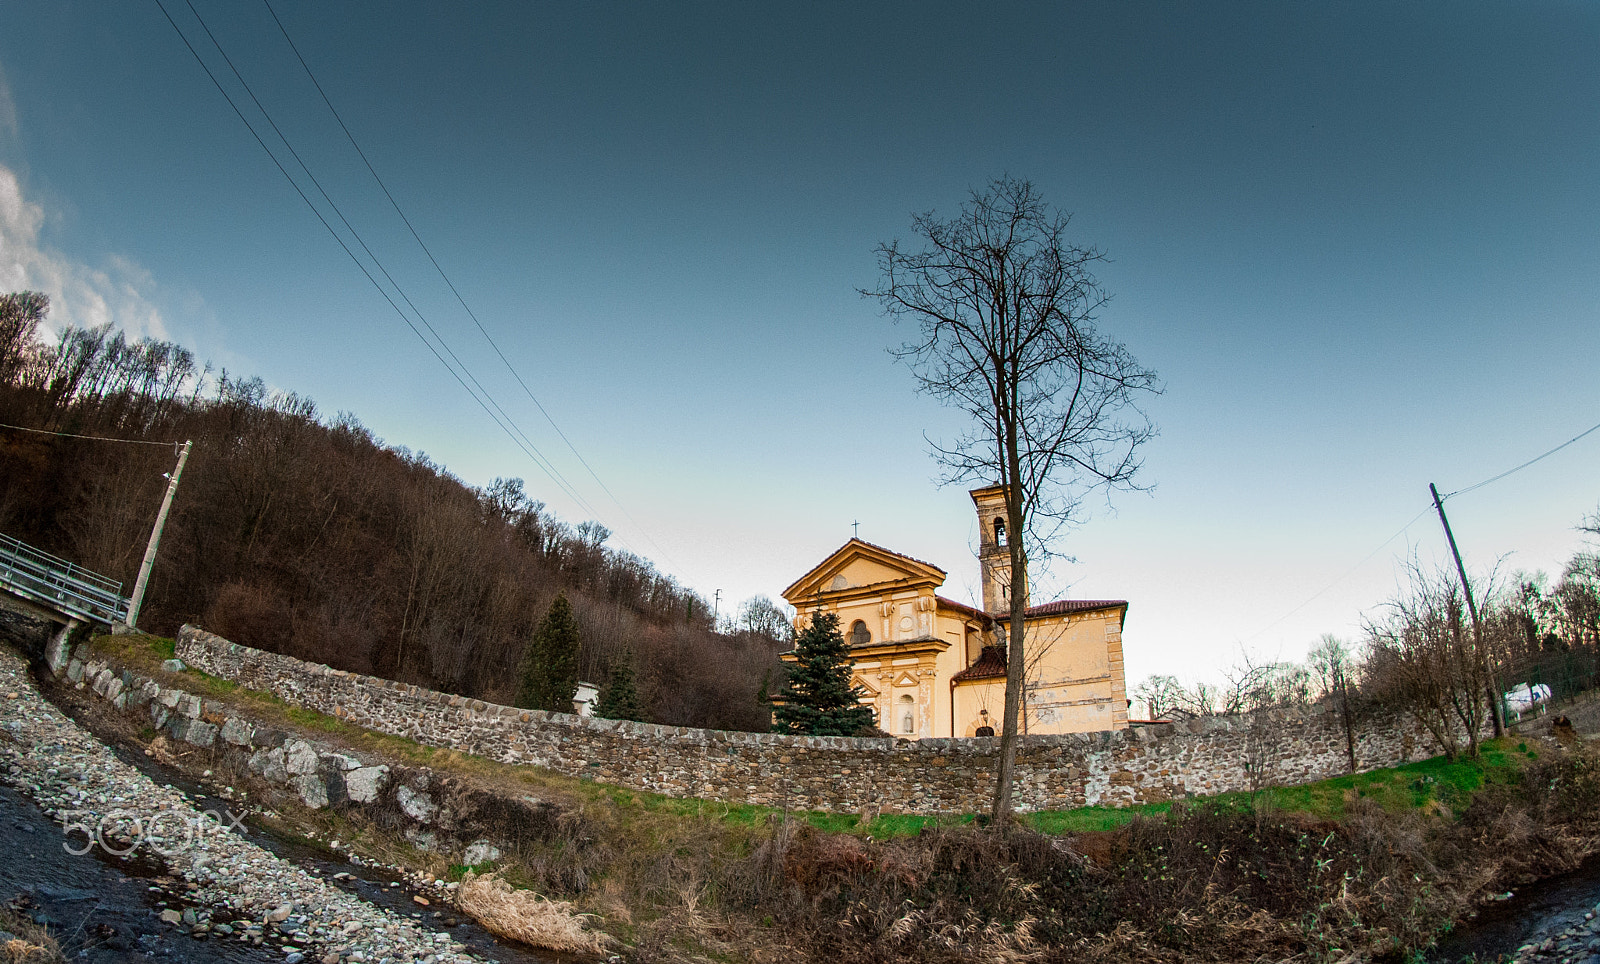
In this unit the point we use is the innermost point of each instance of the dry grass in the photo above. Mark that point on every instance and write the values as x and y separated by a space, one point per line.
28 942
522 915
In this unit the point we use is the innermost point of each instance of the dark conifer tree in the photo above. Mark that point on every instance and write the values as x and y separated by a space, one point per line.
620 701
550 663
818 699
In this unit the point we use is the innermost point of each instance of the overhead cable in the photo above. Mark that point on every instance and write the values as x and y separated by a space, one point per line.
91 438
451 284
484 401
1479 485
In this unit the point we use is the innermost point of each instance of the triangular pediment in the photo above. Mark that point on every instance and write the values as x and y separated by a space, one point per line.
857 565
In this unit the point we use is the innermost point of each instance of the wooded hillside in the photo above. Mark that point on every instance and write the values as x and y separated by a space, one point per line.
310 537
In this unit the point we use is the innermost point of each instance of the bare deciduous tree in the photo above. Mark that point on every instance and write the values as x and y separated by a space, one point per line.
1425 653
1332 666
1160 695
1007 310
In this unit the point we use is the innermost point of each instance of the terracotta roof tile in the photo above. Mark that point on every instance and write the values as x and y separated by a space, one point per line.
1063 606
963 607
990 664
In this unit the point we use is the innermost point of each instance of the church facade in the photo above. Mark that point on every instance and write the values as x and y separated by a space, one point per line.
934 667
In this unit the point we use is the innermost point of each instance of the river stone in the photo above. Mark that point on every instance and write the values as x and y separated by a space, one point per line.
236 731
300 758
365 783
480 852
313 792
418 806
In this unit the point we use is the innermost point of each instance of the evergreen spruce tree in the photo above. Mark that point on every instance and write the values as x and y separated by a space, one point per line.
620 701
817 699
549 674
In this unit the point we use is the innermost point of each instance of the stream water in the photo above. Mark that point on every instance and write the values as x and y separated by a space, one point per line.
103 908
1532 913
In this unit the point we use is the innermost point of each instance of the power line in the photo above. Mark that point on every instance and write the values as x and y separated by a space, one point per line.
502 420
91 438
451 284
538 457
1343 576
1479 485
1402 529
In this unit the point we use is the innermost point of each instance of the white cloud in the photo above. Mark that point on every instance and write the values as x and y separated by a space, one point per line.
82 295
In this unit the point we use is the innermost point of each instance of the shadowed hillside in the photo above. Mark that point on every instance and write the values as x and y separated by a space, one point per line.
308 536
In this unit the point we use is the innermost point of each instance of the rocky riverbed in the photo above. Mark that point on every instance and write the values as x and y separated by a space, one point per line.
1554 921
238 891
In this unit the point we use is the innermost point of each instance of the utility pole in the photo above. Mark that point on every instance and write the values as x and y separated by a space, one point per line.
716 609
1472 607
149 562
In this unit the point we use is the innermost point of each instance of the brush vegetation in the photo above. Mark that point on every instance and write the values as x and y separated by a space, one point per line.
1371 866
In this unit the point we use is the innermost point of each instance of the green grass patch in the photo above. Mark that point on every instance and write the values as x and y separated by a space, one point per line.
1089 819
1412 786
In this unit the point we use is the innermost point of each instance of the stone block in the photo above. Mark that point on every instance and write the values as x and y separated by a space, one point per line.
189 705
236 731
197 732
300 758
266 736
342 761
58 651
365 784
159 715
313 792
417 805
75 671
269 764
480 852
173 665
170 698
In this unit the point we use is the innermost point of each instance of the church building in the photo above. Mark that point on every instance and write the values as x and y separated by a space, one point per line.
933 667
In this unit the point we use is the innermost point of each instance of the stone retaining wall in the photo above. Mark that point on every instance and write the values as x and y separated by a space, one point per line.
1203 756
311 773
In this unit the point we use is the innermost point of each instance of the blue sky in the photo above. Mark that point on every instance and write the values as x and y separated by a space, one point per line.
1357 241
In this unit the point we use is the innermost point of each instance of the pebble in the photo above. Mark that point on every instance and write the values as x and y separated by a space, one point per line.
1577 944
77 779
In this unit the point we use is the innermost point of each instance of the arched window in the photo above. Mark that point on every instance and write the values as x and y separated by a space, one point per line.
859 636
999 532
908 714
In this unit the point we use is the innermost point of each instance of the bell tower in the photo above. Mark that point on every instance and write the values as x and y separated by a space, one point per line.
994 548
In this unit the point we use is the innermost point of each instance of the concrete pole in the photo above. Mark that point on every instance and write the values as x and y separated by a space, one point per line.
1491 690
149 562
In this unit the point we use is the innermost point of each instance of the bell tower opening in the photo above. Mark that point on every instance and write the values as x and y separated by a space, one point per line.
994 549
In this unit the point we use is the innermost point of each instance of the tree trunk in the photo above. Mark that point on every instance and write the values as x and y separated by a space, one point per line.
1015 658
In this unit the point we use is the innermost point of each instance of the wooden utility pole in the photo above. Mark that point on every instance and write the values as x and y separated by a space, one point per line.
1472 607
137 599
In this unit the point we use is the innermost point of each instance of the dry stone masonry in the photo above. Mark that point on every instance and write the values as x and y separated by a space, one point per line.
1115 767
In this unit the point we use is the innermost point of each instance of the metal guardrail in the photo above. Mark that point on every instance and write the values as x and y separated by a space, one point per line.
60 585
